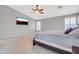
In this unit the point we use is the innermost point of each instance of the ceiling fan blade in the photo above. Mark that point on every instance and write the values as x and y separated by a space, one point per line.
34 9
41 10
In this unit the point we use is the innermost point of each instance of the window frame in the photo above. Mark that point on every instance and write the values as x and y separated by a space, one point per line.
69 21
38 25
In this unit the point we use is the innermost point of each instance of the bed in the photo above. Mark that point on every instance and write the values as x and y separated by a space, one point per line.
57 41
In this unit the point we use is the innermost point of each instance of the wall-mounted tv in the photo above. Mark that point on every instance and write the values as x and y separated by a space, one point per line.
21 21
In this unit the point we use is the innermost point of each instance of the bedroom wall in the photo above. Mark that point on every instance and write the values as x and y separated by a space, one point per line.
8 27
54 24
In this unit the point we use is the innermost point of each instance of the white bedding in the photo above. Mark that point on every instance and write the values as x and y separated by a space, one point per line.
54 37
60 33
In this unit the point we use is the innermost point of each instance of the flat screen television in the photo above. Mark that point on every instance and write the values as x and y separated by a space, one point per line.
21 21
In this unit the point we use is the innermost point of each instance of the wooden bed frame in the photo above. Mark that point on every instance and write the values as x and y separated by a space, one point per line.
51 48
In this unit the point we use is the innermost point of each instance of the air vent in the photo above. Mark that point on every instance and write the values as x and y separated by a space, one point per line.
60 6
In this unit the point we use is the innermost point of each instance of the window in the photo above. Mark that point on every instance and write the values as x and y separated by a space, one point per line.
71 22
78 21
38 25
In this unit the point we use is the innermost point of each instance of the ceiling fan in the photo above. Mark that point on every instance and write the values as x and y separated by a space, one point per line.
37 10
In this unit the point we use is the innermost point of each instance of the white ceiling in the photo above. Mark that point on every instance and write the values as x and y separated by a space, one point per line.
49 10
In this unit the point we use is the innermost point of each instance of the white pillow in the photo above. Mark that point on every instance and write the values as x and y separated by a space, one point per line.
74 32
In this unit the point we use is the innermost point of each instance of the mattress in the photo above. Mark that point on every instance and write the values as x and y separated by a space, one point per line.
57 39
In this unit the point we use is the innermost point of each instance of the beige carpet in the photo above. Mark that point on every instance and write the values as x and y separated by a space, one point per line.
19 45
22 45
41 50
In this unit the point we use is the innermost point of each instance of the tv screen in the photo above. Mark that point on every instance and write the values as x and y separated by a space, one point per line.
21 21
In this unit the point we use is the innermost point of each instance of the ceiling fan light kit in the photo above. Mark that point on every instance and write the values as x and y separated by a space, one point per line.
37 10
